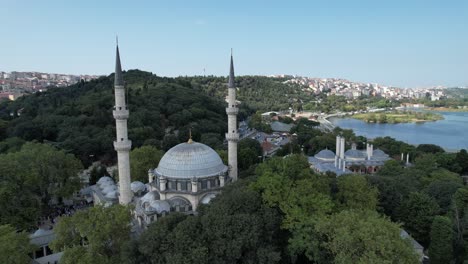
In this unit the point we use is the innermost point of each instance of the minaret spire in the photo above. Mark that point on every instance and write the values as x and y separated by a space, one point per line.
122 144
231 73
118 68
232 136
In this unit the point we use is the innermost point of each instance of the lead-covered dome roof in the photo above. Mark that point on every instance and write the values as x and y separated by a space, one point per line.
188 160
355 154
325 154
379 153
137 186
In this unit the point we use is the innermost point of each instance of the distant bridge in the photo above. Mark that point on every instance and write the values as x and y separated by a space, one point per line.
327 125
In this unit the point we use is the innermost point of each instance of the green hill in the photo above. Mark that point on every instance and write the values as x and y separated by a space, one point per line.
258 93
79 118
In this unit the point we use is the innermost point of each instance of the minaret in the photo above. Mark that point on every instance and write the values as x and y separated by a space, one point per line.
232 136
122 145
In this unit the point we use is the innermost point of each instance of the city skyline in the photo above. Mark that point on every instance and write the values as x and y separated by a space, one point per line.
401 44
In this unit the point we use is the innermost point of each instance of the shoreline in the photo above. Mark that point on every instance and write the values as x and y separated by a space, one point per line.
412 133
446 109
396 118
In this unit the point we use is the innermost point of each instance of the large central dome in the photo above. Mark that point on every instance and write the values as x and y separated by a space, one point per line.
188 160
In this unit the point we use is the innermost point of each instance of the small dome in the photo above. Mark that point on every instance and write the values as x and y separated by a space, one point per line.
105 183
325 155
158 206
109 188
207 198
112 195
187 160
137 186
355 154
379 153
105 179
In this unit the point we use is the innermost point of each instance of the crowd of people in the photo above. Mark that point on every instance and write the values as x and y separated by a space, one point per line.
47 222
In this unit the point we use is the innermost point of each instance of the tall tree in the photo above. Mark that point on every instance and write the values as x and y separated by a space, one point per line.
236 227
142 159
355 193
362 236
250 153
32 178
417 213
94 235
462 160
460 221
14 246
289 185
441 248
391 168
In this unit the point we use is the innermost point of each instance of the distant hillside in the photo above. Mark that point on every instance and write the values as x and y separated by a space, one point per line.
79 118
458 92
257 93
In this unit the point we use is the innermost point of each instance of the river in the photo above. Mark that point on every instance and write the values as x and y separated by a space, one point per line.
450 133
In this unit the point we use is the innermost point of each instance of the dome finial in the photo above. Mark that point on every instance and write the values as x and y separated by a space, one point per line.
190 141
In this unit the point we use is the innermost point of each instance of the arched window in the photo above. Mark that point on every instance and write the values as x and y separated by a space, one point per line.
179 204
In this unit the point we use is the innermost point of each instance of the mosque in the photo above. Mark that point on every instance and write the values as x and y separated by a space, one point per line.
341 162
189 174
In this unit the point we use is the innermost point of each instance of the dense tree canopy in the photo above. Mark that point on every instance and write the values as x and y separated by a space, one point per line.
322 229
441 249
355 193
14 246
279 212
255 92
249 153
79 118
354 236
417 213
32 178
95 235
235 228
143 159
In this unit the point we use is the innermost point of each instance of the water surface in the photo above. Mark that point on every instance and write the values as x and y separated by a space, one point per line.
450 133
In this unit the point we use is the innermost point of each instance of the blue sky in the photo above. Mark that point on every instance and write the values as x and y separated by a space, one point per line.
401 43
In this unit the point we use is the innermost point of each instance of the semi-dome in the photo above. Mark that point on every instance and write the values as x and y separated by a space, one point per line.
158 206
325 154
354 154
153 195
188 160
207 198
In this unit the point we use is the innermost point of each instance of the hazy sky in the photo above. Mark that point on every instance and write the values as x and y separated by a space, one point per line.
402 43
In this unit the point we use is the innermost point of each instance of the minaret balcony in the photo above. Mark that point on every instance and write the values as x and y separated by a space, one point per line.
120 114
232 137
124 145
232 110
